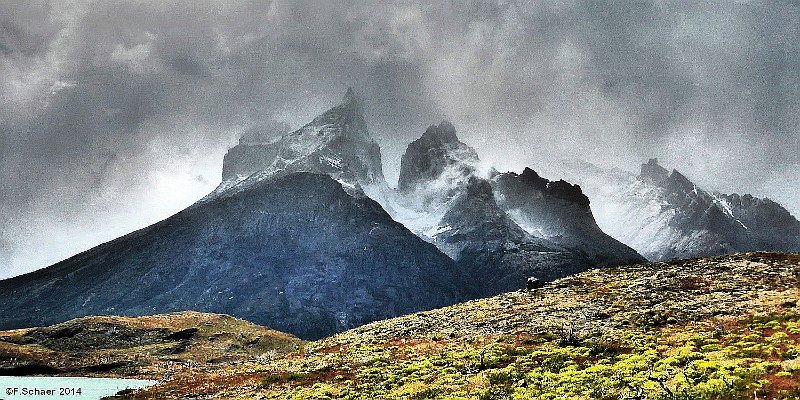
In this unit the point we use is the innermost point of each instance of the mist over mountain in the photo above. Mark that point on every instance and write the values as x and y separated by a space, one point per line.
445 195
116 113
296 245
336 143
292 239
664 215
500 227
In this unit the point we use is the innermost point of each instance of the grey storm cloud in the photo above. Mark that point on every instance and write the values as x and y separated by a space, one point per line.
117 113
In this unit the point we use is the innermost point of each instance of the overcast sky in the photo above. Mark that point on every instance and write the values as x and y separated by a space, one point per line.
116 114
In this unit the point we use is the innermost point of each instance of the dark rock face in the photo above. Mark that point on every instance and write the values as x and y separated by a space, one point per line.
504 228
530 180
474 227
559 212
769 225
653 172
429 157
297 253
497 254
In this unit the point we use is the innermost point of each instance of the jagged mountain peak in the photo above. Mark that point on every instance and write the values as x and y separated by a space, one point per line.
443 133
437 154
680 179
349 95
352 101
531 176
652 171
348 114
475 227
559 189
335 143
568 191
559 212
502 229
664 215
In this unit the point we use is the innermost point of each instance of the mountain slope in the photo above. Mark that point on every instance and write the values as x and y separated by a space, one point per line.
500 228
664 215
719 328
559 212
301 252
495 252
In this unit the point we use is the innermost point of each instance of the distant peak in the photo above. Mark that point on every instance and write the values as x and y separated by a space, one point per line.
352 100
567 191
530 176
673 180
445 132
350 109
350 95
652 171
436 151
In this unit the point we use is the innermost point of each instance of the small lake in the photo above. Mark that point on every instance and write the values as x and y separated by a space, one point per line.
63 388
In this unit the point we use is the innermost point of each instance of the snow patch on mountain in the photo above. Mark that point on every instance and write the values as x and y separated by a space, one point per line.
664 215
336 143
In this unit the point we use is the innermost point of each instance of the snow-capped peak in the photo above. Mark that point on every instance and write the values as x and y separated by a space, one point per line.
335 143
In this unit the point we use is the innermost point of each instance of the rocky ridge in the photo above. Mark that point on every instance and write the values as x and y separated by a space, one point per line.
664 215
297 246
500 227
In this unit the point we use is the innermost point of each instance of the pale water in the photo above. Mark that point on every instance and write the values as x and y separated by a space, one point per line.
64 388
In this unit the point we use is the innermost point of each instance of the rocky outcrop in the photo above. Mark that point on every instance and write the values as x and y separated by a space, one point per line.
560 213
501 228
495 252
437 155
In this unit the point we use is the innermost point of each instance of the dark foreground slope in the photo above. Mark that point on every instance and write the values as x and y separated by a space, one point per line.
296 253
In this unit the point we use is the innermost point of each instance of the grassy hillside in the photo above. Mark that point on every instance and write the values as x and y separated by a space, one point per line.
719 328
159 346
